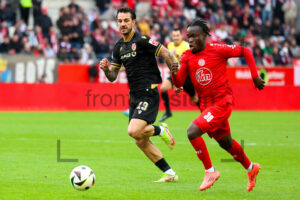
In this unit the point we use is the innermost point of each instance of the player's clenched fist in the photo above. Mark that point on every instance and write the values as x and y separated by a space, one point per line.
174 68
104 64
259 83
177 90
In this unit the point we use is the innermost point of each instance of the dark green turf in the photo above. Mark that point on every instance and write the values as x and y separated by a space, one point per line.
29 167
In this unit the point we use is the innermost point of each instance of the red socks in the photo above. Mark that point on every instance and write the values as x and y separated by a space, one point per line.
201 150
236 151
238 154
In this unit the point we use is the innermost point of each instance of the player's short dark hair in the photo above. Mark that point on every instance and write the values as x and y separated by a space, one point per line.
127 10
201 23
177 29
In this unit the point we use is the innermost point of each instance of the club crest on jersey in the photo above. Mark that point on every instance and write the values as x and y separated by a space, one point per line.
153 42
201 62
203 76
133 47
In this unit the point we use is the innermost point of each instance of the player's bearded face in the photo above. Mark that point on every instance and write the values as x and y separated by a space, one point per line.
125 23
196 38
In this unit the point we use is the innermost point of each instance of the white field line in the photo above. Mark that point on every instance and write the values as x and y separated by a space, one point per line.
128 141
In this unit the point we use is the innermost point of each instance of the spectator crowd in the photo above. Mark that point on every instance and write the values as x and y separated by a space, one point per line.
268 27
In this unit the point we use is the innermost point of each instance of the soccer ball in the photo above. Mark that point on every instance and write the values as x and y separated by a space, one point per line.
82 178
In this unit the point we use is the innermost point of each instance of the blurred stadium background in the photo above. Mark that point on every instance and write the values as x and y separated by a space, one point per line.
49 52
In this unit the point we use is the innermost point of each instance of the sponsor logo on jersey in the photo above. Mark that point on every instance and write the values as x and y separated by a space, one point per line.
153 42
121 48
203 76
201 62
133 47
128 55
144 37
208 117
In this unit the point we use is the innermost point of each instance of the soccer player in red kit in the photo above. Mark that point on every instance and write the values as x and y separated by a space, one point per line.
206 65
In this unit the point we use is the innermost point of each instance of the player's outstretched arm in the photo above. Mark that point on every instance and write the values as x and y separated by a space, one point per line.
112 73
168 57
259 83
228 51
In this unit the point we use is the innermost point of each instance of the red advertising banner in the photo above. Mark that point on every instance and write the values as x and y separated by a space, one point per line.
105 97
277 76
74 92
73 73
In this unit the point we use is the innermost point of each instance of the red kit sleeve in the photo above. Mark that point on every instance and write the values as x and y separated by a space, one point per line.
229 51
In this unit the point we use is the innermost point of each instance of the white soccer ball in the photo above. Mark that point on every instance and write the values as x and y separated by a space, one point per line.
82 178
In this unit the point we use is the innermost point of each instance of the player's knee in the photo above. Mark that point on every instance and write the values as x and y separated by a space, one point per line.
163 89
193 132
134 133
165 86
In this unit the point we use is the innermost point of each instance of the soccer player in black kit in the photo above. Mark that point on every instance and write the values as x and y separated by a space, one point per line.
136 52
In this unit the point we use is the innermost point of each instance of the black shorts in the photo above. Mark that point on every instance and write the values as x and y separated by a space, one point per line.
144 105
188 86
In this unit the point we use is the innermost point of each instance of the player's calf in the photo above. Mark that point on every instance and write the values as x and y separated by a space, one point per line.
238 153
142 143
226 142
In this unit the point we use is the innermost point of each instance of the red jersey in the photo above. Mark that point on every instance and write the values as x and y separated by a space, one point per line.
208 73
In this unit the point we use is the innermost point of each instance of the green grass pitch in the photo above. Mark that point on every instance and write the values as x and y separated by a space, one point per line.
29 167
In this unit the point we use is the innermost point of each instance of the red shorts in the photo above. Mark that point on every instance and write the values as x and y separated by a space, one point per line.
214 120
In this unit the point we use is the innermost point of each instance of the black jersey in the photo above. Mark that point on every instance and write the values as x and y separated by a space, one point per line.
138 57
